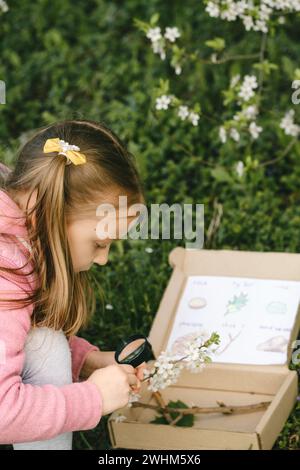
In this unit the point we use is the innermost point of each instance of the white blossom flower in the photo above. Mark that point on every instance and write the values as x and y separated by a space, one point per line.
154 34
166 372
162 102
172 33
194 118
240 168
148 249
260 25
120 418
288 125
234 80
254 130
158 48
250 112
213 9
223 134
183 112
248 22
133 397
109 307
195 349
195 355
249 84
254 15
178 69
251 81
3 6
234 134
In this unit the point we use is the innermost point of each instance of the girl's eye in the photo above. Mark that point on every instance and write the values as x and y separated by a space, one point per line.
100 246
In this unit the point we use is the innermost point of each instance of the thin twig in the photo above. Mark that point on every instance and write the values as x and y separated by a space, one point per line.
158 397
231 340
283 154
261 60
85 441
214 223
222 408
223 60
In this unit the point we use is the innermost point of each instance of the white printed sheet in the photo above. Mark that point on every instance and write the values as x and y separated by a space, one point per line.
254 317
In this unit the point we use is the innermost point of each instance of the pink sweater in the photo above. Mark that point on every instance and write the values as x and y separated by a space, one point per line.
27 412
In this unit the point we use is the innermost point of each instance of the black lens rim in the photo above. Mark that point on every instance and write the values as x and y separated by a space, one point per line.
142 354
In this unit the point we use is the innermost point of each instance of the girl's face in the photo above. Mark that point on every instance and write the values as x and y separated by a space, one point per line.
86 241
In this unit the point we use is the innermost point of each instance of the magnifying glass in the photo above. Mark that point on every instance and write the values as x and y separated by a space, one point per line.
135 350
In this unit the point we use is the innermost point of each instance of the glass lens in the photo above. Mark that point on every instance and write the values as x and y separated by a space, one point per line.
130 348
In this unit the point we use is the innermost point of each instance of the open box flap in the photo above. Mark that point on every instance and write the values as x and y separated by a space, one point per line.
229 263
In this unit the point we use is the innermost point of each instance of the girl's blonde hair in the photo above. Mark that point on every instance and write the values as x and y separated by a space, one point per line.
65 299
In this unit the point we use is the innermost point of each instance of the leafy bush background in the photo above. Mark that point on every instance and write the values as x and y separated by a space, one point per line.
62 59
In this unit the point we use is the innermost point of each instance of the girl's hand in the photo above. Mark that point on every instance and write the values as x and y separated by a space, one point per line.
99 359
139 373
140 370
114 383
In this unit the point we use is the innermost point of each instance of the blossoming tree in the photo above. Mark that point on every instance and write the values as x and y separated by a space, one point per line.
246 98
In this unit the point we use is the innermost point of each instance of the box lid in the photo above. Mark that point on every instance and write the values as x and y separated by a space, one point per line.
222 263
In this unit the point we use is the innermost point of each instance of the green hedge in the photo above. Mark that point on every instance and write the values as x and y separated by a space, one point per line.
63 59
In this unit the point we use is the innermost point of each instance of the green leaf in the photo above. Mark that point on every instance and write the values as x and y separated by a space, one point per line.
221 174
218 44
265 66
154 19
141 25
185 421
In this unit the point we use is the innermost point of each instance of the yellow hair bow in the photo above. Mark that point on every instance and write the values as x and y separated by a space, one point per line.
64 148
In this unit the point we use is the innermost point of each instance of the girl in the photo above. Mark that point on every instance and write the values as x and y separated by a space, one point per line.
51 381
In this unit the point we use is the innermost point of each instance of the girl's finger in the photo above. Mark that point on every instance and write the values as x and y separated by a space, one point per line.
127 368
140 370
133 380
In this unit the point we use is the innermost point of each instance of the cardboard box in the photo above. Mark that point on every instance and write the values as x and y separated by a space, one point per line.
234 384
